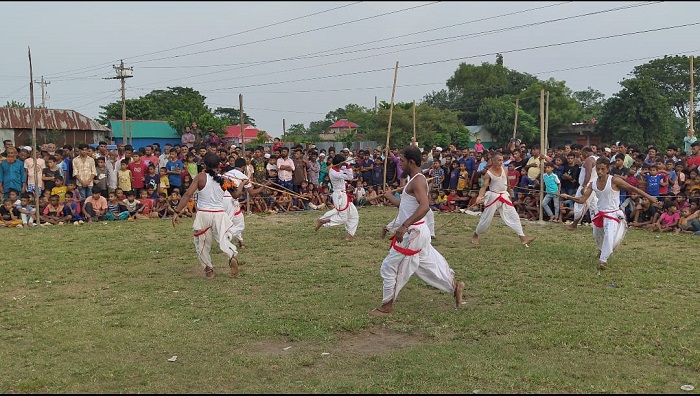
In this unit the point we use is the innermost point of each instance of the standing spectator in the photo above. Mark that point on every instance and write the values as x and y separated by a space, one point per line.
138 173
174 169
285 169
50 172
437 173
29 171
552 187
12 173
84 171
300 172
212 138
694 158
188 138
689 140
314 168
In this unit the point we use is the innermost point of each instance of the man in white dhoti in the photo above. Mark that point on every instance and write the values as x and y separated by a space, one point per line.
585 177
497 198
231 205
344 211
411 251
211 222
609 225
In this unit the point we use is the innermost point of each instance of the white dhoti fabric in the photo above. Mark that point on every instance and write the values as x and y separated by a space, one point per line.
609 229
414 255
499 202
211 226
591 204
343 213
235 213
430 221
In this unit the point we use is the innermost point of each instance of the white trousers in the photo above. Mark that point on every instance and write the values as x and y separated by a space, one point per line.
235 213
342 213
209 227
610 235
428 264
495 202
591 204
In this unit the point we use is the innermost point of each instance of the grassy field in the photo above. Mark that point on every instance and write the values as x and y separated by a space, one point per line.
101 308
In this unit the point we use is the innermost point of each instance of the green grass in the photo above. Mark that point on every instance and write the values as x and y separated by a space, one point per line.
100 309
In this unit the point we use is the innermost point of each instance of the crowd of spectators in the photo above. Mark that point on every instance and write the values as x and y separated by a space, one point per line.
86 184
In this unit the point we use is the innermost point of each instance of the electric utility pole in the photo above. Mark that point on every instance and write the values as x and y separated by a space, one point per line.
122 74
44 95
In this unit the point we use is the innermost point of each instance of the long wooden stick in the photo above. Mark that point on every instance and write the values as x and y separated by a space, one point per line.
282 191
541 148
515 123
32 116
692 87
388 130
395 190
414 120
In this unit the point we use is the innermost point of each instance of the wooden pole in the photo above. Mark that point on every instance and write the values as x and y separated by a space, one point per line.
541 148
131 131
388 131
284 128
414 120
242 123
121 67
34 150
692 88
546 124
515 123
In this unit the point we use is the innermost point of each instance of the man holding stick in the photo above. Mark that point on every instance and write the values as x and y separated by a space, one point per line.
344 211
411 251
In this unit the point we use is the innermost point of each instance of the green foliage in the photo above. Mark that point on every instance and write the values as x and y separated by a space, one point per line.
53 136
497 115
592 102
232 116
671 74
15 104
261 138
639 114
296 130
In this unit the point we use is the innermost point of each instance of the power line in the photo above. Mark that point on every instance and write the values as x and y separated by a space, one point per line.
431 43
465 57
15 91
359 44
74 71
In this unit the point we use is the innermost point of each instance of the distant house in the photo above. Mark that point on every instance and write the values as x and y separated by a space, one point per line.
582 133
144 132
52 126
250 133
480 132
339 128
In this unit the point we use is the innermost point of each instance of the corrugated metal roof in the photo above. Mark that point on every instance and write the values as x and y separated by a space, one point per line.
234 131
144 129
66 120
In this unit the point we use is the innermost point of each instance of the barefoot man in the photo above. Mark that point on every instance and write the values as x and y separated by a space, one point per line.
411 251
587 176
498 199
344 211
609 225
211 222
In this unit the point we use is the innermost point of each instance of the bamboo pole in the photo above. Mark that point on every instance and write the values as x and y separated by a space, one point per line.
692 88
34 150
414 120
541 147
388 131
515 122
240 103
546 124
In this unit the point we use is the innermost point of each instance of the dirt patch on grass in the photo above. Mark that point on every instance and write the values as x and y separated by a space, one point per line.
374 341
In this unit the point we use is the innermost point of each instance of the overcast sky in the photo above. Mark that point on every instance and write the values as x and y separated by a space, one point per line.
299 60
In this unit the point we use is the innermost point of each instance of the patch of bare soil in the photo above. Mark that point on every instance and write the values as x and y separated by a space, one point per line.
374 341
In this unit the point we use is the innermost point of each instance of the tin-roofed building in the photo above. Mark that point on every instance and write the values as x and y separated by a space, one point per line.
52 126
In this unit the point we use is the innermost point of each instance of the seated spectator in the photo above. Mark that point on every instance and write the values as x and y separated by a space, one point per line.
95 207
9 215
55 212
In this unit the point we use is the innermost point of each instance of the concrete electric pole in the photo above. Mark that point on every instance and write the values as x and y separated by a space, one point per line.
122 74
44 95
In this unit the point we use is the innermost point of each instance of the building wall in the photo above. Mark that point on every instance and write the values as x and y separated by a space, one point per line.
143 142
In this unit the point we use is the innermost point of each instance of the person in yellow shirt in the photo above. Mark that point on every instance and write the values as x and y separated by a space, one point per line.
59 189
124 177
164 181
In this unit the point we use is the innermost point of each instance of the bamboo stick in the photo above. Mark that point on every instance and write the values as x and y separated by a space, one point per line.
391 113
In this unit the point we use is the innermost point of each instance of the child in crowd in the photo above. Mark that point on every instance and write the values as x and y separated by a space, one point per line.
463 179
100 179
59 189
162 207
73 208
433 200
120 194
72 187
147 211
552 187
9 215
645 214
115 209
124 176
164 185
55 212
668 220
152 178
50 173
688 222
95 206
174 199
133 206
27 212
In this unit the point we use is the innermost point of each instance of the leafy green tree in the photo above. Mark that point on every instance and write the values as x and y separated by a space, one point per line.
296 130
261 138
639 114
14 104
232 116
497 115
672 76
592 102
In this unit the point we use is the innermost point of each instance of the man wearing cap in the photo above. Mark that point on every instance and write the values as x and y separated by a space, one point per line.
212 138
344 211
